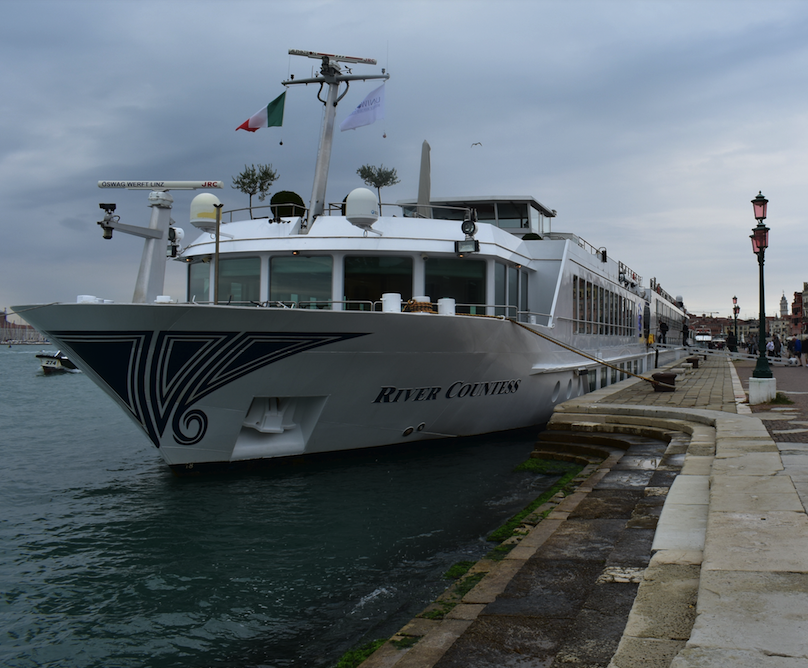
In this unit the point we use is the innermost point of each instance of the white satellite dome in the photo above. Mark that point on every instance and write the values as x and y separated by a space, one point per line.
203 212
362 208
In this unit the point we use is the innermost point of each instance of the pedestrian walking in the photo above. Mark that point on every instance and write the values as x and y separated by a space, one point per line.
797 345
663 331
732 343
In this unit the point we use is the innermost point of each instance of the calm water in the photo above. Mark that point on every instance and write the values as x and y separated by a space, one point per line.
107 559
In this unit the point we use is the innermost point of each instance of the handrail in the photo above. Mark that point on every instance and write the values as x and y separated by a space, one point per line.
272 207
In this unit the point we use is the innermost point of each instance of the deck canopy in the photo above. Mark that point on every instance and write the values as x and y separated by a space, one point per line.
518 215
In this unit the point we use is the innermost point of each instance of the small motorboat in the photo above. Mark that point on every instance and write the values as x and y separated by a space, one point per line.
55 362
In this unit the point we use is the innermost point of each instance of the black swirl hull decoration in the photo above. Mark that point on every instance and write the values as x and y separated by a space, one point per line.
159 376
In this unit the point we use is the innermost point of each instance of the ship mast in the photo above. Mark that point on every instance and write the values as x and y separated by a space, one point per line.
330 75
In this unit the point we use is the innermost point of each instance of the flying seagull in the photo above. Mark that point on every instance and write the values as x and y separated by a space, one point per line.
477 143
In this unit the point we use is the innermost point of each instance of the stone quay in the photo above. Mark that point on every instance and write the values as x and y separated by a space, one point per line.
684 544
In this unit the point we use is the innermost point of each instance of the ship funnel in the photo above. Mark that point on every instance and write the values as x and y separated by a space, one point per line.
203 212
362 208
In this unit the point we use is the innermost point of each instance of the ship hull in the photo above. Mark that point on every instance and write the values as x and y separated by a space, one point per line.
221 385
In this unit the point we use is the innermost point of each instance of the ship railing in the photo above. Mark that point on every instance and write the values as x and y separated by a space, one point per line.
535 318
583 243
627 275
504 310
274 214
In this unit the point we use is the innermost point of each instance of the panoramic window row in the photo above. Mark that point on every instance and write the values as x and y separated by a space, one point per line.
673 319
307 281
598 310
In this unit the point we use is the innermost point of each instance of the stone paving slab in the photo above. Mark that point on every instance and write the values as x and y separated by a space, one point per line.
753 494
766 541
646 652
611 504
676 586
762 612
727 656
747 464
690 490
681 527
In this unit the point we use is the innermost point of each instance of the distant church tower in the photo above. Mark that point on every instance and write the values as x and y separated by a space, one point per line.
783 306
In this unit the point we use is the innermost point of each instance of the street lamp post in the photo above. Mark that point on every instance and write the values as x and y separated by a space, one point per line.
760 242
735 310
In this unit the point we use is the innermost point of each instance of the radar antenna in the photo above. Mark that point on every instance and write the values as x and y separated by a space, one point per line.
332 76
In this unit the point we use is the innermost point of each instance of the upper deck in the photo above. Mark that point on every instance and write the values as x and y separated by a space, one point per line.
518 215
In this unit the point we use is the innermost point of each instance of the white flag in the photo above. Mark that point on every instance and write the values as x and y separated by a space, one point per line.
366 112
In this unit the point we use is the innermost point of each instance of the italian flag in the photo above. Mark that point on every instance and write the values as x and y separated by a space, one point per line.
269 116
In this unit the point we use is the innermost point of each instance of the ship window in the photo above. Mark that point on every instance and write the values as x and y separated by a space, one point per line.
199 282
623 301
500 288
240 280
601 310
523 301
513 291
595 308
305 281
461 279
535 221
581 306
611 313
485 213
512 215
368 278
506 290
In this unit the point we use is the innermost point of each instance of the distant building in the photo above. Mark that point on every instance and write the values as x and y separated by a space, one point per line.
796 314
13 332
804 314
779 326
720 327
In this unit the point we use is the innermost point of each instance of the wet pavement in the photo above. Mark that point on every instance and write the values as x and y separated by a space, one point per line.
569 602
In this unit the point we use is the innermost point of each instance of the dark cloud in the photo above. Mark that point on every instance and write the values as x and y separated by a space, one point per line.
648 125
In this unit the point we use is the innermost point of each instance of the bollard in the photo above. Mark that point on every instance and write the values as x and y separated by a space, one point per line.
669 380
694 361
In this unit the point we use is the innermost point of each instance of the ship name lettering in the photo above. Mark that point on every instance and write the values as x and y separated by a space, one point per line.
390 394
461 389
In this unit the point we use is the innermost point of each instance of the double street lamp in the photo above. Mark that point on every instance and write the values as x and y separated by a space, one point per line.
760 242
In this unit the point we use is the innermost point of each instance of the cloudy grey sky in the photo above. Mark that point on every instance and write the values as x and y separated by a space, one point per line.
648 125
